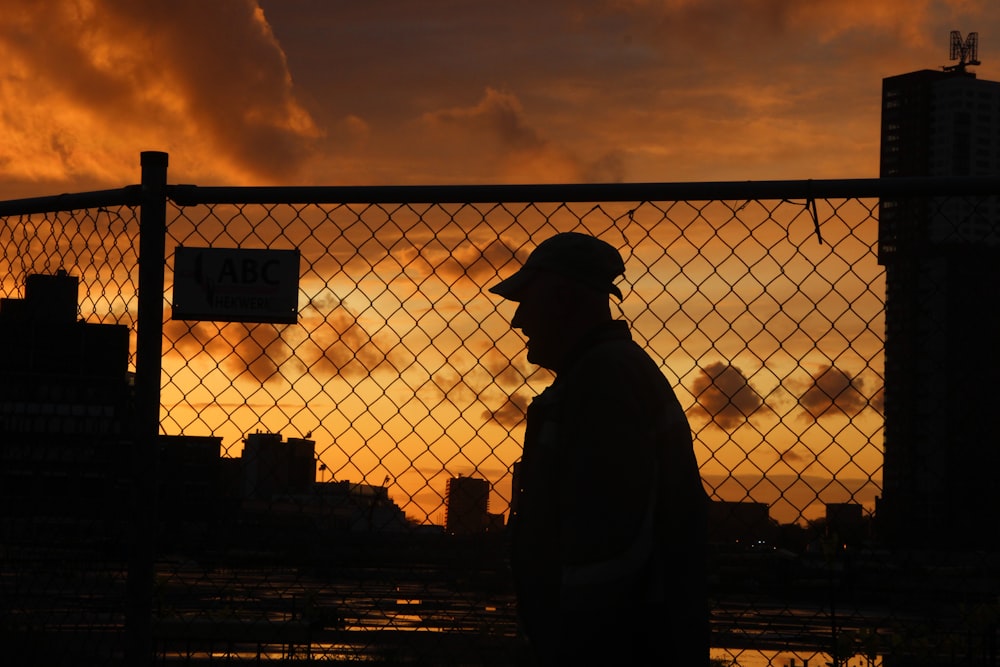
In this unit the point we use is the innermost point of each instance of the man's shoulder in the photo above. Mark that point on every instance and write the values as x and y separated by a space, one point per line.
621 354
618 371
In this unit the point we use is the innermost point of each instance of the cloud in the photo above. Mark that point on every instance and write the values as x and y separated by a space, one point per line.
337 344
719 30
343 347
832 392
791 456
511 375
498 115
878 401
511 413
244 351
98 82
259 350
723 395
477 266
243 92
496 133
193 338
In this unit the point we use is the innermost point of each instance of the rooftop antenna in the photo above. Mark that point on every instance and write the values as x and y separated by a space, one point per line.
966 53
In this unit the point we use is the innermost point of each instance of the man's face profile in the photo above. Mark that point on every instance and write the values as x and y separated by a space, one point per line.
541 317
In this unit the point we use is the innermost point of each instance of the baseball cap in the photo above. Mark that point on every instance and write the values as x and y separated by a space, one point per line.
580 257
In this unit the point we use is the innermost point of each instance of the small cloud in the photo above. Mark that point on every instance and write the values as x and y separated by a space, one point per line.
790 456
496 132
346 349
877 401
481 266
259 350
498 115
723 395
833 392
511 413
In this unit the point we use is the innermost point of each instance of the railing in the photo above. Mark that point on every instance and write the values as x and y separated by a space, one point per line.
288 487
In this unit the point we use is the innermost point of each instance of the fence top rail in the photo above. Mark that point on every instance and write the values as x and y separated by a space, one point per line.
129 195
191 195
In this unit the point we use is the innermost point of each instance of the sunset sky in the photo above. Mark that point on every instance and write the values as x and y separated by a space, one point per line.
324 92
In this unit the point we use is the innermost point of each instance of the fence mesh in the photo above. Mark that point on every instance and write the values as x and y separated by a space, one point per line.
336 489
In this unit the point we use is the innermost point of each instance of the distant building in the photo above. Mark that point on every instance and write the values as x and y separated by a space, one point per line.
467 510
846 522
266 498
730 522
272 467
64 397
942 262
190 487
341 505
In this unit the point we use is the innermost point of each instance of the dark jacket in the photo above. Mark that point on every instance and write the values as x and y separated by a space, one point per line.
609 514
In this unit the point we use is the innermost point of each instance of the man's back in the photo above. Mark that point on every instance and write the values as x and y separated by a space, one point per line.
617 495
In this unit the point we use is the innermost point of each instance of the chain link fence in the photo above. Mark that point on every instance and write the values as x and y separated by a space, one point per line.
336 488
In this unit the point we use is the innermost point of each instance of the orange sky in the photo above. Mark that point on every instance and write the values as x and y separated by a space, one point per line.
241 92
402 365
301 92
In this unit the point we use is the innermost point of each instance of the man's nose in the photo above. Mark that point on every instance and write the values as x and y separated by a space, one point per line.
517 322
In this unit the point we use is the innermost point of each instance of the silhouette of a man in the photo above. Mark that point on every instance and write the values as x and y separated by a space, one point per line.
608 516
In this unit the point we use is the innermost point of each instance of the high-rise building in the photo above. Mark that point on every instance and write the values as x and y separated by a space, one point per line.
272 467
468 506
942 263
64 412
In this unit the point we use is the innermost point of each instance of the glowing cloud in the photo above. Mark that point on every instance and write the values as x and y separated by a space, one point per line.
98 82
833 392
498 129
723 395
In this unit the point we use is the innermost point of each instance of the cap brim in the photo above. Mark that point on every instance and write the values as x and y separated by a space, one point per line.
512 288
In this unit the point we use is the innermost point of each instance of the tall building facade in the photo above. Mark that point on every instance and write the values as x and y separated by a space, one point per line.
468 506
942 264
64 415
272 467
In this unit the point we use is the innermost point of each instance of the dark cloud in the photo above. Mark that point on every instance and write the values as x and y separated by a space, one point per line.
877 401
393 91
833 392
713 32
498 115
193 338
337 344
791 456
455 390
509 373
723 395
511 376
511 413
231 73
479 266
260 350
345 348
496 133
117 76
244 351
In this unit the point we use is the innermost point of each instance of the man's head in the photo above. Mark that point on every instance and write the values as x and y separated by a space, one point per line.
562 291
581 258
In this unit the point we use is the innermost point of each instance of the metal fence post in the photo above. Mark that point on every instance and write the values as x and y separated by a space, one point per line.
149 342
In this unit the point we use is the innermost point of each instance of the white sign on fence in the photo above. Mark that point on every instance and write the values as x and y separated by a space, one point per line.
236 285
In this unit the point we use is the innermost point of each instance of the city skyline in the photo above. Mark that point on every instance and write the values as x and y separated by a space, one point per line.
354 337
402 415
248 93
767 306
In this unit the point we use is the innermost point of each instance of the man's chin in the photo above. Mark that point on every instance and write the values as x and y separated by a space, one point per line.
538 359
